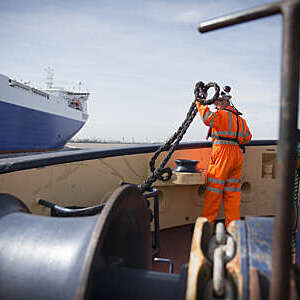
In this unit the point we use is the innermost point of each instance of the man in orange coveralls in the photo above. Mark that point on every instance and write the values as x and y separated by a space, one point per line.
229 132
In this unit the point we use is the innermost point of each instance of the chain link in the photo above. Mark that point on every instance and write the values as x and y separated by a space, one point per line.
221 250
218 272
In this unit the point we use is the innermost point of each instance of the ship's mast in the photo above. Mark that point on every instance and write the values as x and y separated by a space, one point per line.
50 77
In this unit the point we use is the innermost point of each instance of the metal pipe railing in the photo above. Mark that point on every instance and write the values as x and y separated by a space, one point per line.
72 212
240 17
281 253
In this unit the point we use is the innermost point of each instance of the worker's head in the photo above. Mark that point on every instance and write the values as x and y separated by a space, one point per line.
222 102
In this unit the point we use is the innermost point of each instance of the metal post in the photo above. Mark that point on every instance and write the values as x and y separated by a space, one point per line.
156 245
156 224
281 258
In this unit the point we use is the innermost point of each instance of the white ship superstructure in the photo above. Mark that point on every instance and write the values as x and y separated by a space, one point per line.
38 120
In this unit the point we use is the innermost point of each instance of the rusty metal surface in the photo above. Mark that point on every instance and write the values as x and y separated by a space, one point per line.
281 261
250 269
254 287
293 287
199 270
238 267
259 240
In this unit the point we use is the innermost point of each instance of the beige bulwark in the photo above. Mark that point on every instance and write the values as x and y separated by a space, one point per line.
89 183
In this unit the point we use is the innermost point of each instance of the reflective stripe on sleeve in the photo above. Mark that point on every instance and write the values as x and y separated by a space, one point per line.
207 115
243 128
247 134
230 120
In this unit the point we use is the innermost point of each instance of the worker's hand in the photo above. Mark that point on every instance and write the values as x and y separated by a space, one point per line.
201 90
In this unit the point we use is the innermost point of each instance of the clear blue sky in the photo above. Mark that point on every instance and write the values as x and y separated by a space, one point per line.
140 61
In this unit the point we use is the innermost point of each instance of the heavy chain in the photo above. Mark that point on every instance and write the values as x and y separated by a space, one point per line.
161 172
221 249
201 92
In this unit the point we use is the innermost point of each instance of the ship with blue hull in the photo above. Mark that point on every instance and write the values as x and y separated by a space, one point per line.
35 120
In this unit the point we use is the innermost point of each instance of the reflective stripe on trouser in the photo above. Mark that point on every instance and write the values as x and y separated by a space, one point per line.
223 182
212 198
231 201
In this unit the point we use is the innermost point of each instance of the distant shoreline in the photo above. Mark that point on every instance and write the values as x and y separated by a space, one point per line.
100 145
109 142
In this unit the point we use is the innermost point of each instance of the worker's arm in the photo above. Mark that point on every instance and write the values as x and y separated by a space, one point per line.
246 134
206 115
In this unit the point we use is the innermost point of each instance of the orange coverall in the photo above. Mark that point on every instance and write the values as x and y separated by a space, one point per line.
226 161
